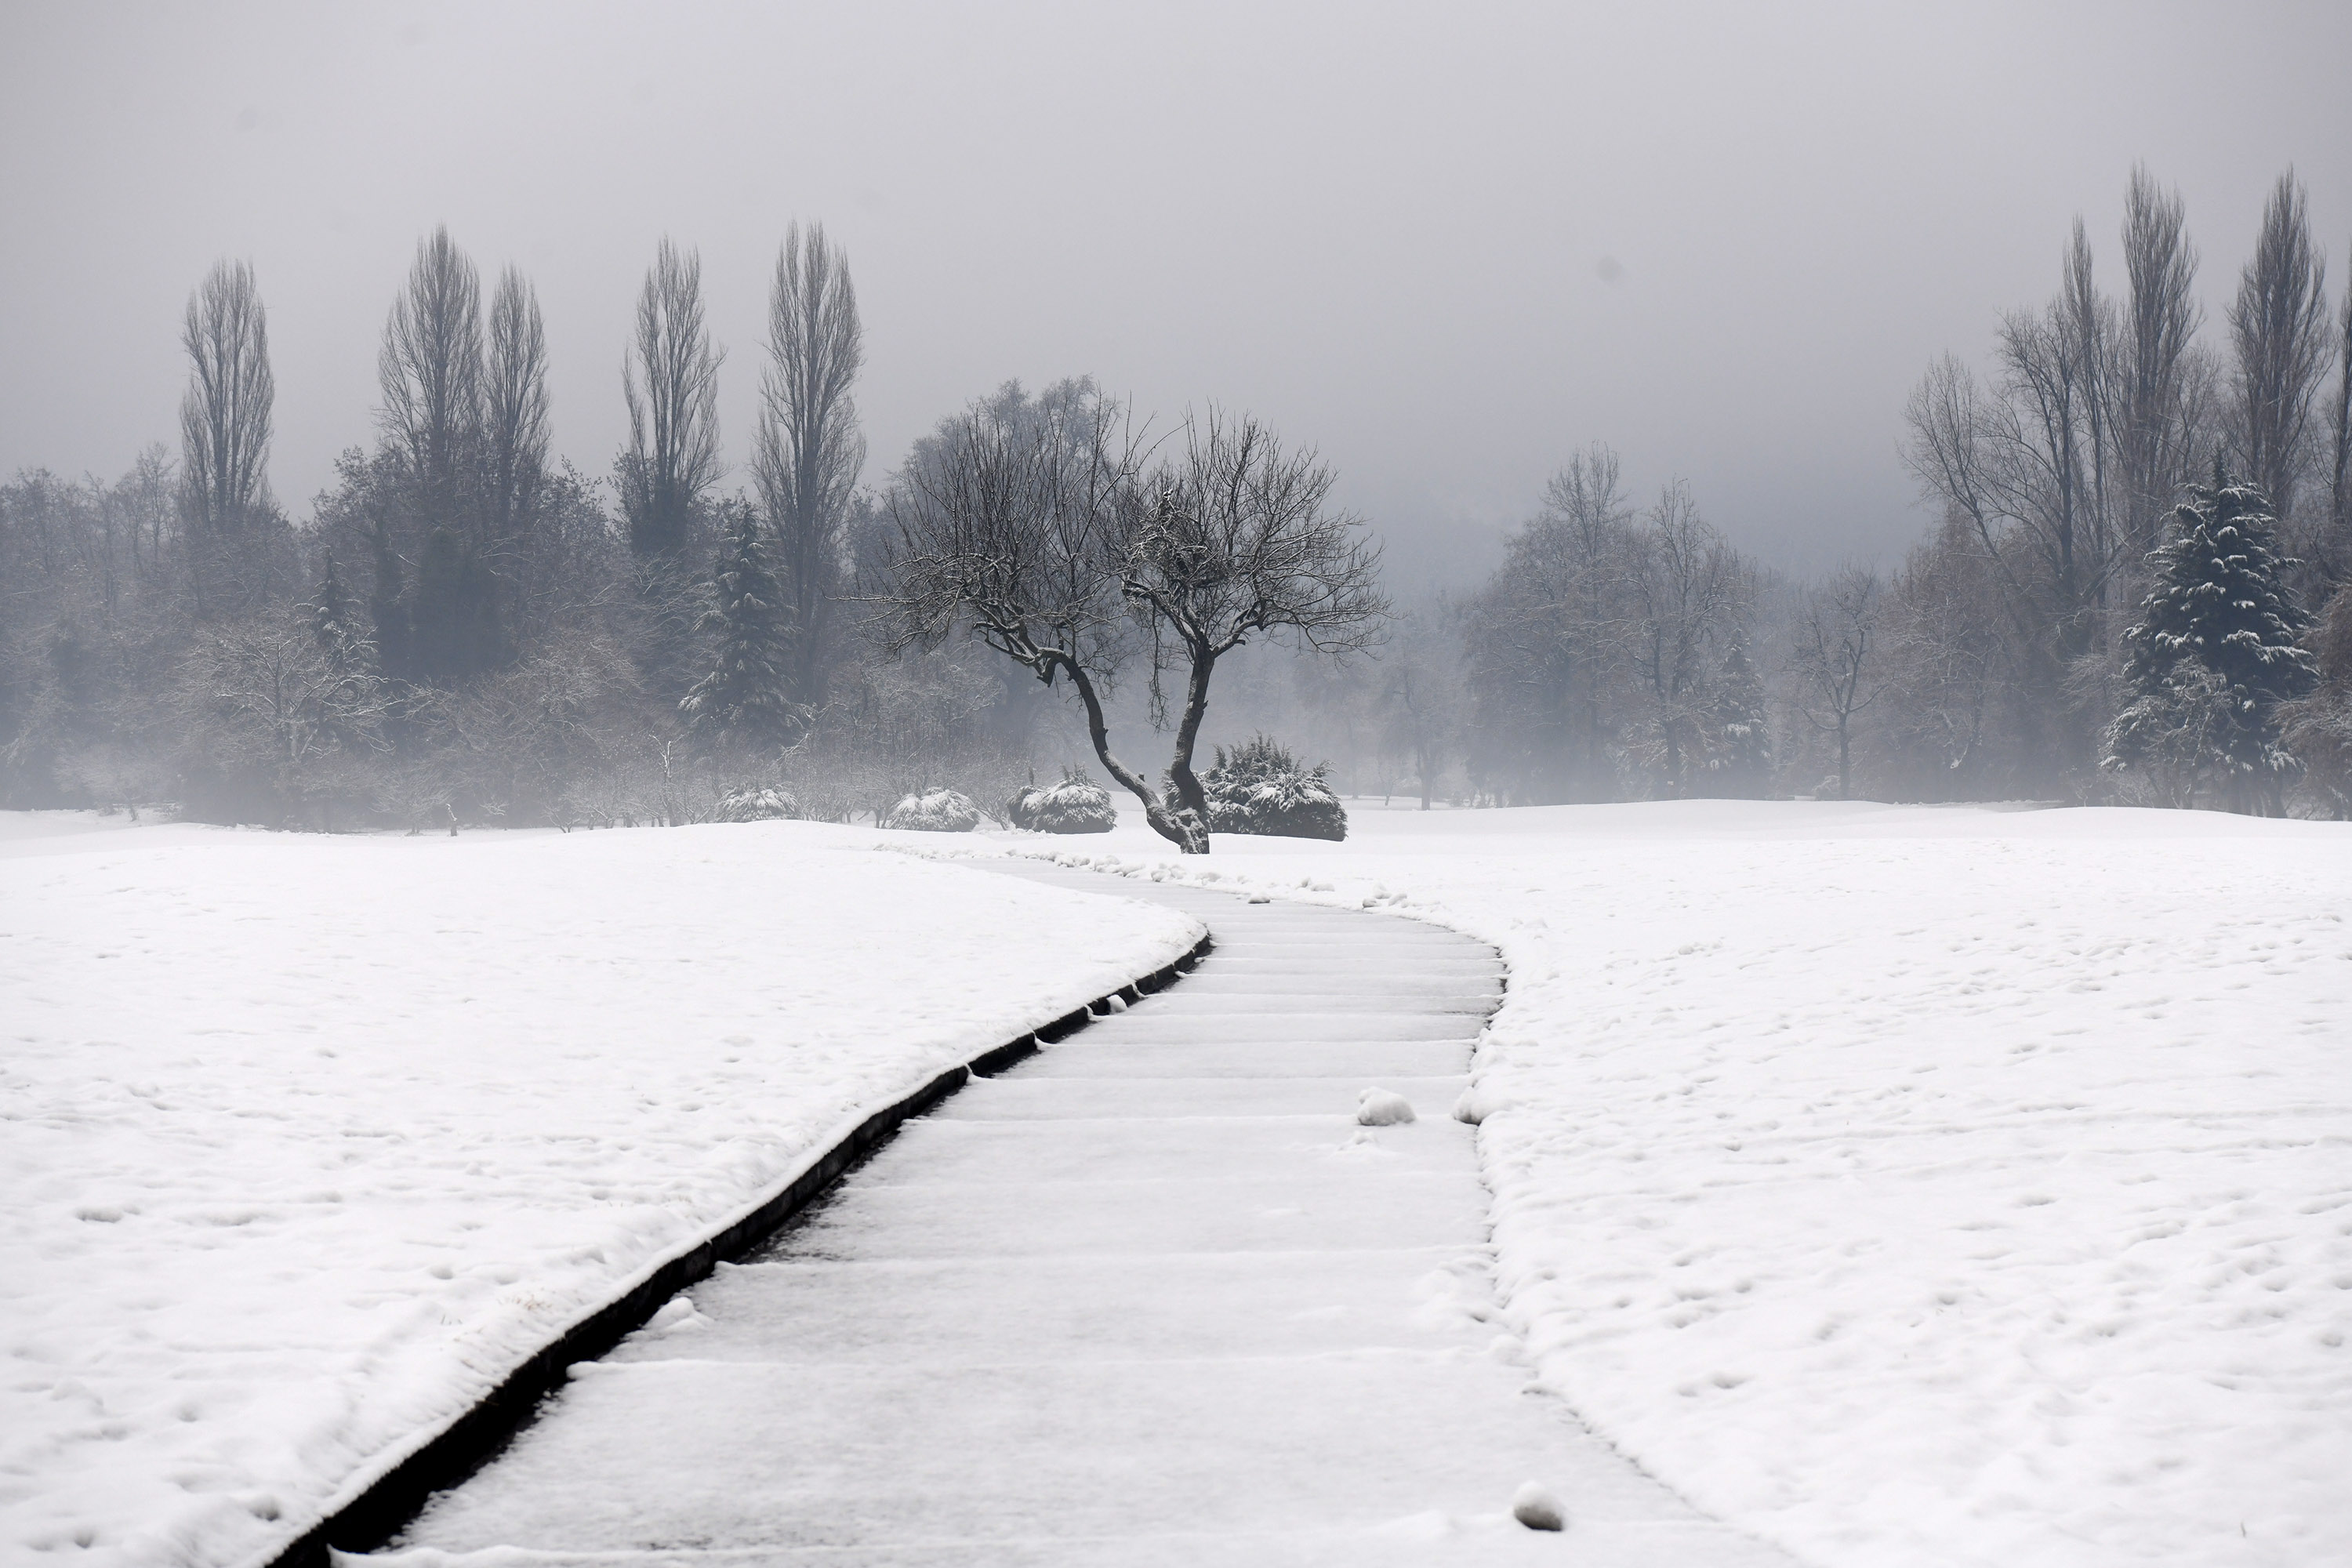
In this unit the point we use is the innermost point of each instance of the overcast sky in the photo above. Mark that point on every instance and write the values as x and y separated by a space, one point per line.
1447 244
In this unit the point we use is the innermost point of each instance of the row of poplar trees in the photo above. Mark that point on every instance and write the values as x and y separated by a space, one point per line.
466 625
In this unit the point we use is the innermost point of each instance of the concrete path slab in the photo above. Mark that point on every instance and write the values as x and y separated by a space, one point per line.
1034 1097
1151 1298
1119 1305
1253 1050
1111 1149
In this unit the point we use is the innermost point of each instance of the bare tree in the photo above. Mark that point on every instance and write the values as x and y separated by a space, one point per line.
2021 464
145 500
2045 463
1010 525
268 698
2087 333
1834 658
430 371
2336 556
1588 569
1240 541
1421 696
2279 332
1687 585
514 409
1550 642
2152 390
807 452
225 417
671 383
1943 651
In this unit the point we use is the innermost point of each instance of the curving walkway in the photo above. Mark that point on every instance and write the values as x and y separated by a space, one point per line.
1150 1297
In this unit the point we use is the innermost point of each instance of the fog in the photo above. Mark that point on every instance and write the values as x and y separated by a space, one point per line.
1446 244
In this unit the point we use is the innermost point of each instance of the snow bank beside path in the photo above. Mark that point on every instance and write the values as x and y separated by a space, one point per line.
305 1142
1912 1186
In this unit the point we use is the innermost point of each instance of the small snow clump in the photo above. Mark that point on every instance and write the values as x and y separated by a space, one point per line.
1535 1506
1475 1105
1383 1107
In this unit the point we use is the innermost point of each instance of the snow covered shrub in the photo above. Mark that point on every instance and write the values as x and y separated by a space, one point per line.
1077 804
935 811
757 802
1259 788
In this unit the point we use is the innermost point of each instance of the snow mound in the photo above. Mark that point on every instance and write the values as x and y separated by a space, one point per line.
935 811
758 802
1475 1105
1535 1506
1383 1107
1077 804
1259 788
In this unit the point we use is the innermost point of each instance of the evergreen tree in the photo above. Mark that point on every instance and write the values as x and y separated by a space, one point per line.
335 618
2214 652
346 686
741 701
1740 765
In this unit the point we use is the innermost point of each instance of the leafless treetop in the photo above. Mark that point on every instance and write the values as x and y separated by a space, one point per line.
224 419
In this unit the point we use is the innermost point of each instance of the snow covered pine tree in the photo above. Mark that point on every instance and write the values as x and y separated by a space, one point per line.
2212 657
741 702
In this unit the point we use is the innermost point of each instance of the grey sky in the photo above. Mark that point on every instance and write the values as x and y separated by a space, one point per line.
1446 243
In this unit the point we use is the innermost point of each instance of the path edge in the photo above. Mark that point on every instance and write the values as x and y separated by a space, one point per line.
470 1438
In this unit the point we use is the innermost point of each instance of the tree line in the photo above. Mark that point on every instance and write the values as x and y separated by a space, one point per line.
2129 592
466 630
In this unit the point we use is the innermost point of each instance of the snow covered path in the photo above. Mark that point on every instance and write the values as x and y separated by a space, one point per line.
309 1142
1913 1188
1152 1297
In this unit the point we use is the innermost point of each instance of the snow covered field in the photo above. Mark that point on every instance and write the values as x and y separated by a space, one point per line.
306 1141
1912 1186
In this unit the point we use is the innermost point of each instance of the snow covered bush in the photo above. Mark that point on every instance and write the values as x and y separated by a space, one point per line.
1259 788
1077 804
757 802
935 811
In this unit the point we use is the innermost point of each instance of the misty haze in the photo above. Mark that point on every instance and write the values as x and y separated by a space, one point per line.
1175 784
